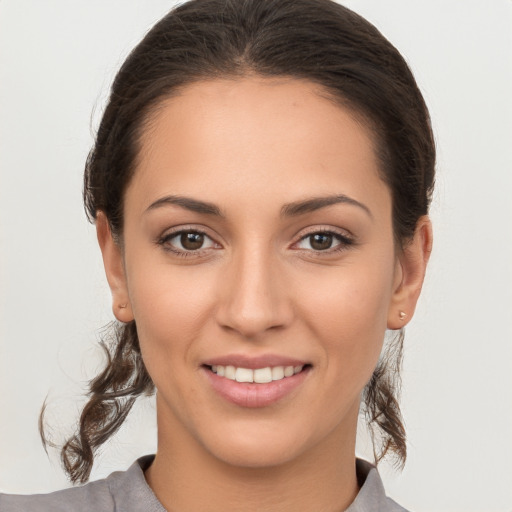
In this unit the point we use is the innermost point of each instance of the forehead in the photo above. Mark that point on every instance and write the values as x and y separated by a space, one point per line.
279 135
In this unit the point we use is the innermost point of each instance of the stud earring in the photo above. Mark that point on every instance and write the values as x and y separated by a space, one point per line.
402 315
123 306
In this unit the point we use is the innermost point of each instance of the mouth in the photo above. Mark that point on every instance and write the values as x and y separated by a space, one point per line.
256 375
261 385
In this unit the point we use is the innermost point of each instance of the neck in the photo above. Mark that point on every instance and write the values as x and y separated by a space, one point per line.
185 477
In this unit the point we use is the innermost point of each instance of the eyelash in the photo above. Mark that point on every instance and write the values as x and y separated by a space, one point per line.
165 239
344 242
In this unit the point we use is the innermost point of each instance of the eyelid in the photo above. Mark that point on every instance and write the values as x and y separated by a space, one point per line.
312 230
171 233
345 238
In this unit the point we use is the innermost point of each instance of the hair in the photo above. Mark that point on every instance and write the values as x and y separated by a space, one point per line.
316 40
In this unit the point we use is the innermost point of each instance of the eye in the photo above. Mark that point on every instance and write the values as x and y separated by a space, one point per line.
323 241
187 241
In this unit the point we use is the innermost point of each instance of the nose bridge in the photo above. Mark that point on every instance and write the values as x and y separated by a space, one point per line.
254 298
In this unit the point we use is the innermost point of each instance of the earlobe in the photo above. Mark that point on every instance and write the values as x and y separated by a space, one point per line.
412 263
114 270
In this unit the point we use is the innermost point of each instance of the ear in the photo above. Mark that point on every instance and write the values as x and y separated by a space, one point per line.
114 269
410 272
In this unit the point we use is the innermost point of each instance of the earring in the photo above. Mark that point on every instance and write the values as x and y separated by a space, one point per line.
402 315
123 306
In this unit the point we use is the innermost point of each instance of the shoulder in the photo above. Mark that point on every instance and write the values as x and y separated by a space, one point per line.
92 496
122 490
393 506
372 496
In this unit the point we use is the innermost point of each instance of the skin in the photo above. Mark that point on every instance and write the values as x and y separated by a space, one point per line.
259 285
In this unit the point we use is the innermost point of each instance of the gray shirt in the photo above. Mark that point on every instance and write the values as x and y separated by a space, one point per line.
127 491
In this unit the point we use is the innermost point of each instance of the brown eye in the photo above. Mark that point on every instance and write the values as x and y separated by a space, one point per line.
184 242
324 241
192 241
321 241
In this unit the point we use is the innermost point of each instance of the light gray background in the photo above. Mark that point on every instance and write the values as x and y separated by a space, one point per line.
57 59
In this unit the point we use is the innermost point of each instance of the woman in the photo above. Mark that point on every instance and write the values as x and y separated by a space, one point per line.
260 185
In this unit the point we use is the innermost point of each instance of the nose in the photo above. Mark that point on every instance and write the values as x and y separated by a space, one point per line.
254 297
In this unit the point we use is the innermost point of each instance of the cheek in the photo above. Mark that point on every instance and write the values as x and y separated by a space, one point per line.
170 306
348 311
170 310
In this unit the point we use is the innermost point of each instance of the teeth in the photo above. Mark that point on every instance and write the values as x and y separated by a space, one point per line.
277 373
230 372
260 375
244 375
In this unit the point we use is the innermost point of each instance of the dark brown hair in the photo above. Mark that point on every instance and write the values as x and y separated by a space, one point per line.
316 40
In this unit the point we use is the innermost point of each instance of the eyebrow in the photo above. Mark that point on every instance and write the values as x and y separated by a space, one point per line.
316 203
187 203
288 210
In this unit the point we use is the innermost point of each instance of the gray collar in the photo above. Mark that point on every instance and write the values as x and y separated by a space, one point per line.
129 488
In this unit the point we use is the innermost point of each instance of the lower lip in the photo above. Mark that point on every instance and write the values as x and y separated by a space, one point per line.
247 394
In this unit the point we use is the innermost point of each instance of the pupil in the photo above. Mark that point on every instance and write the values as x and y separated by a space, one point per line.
321 242
192 241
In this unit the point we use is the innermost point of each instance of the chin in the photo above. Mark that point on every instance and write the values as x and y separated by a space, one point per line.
255 455
258 446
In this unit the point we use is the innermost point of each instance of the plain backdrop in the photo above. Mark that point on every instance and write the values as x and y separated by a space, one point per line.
57 59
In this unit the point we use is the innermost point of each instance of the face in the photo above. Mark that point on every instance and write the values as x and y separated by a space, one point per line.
258 246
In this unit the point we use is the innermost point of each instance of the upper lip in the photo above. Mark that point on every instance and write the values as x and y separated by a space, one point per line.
254 362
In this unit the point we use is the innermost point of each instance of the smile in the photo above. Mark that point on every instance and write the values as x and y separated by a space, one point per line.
257 375
256 381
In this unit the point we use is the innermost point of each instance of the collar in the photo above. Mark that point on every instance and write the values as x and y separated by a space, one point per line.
130 488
